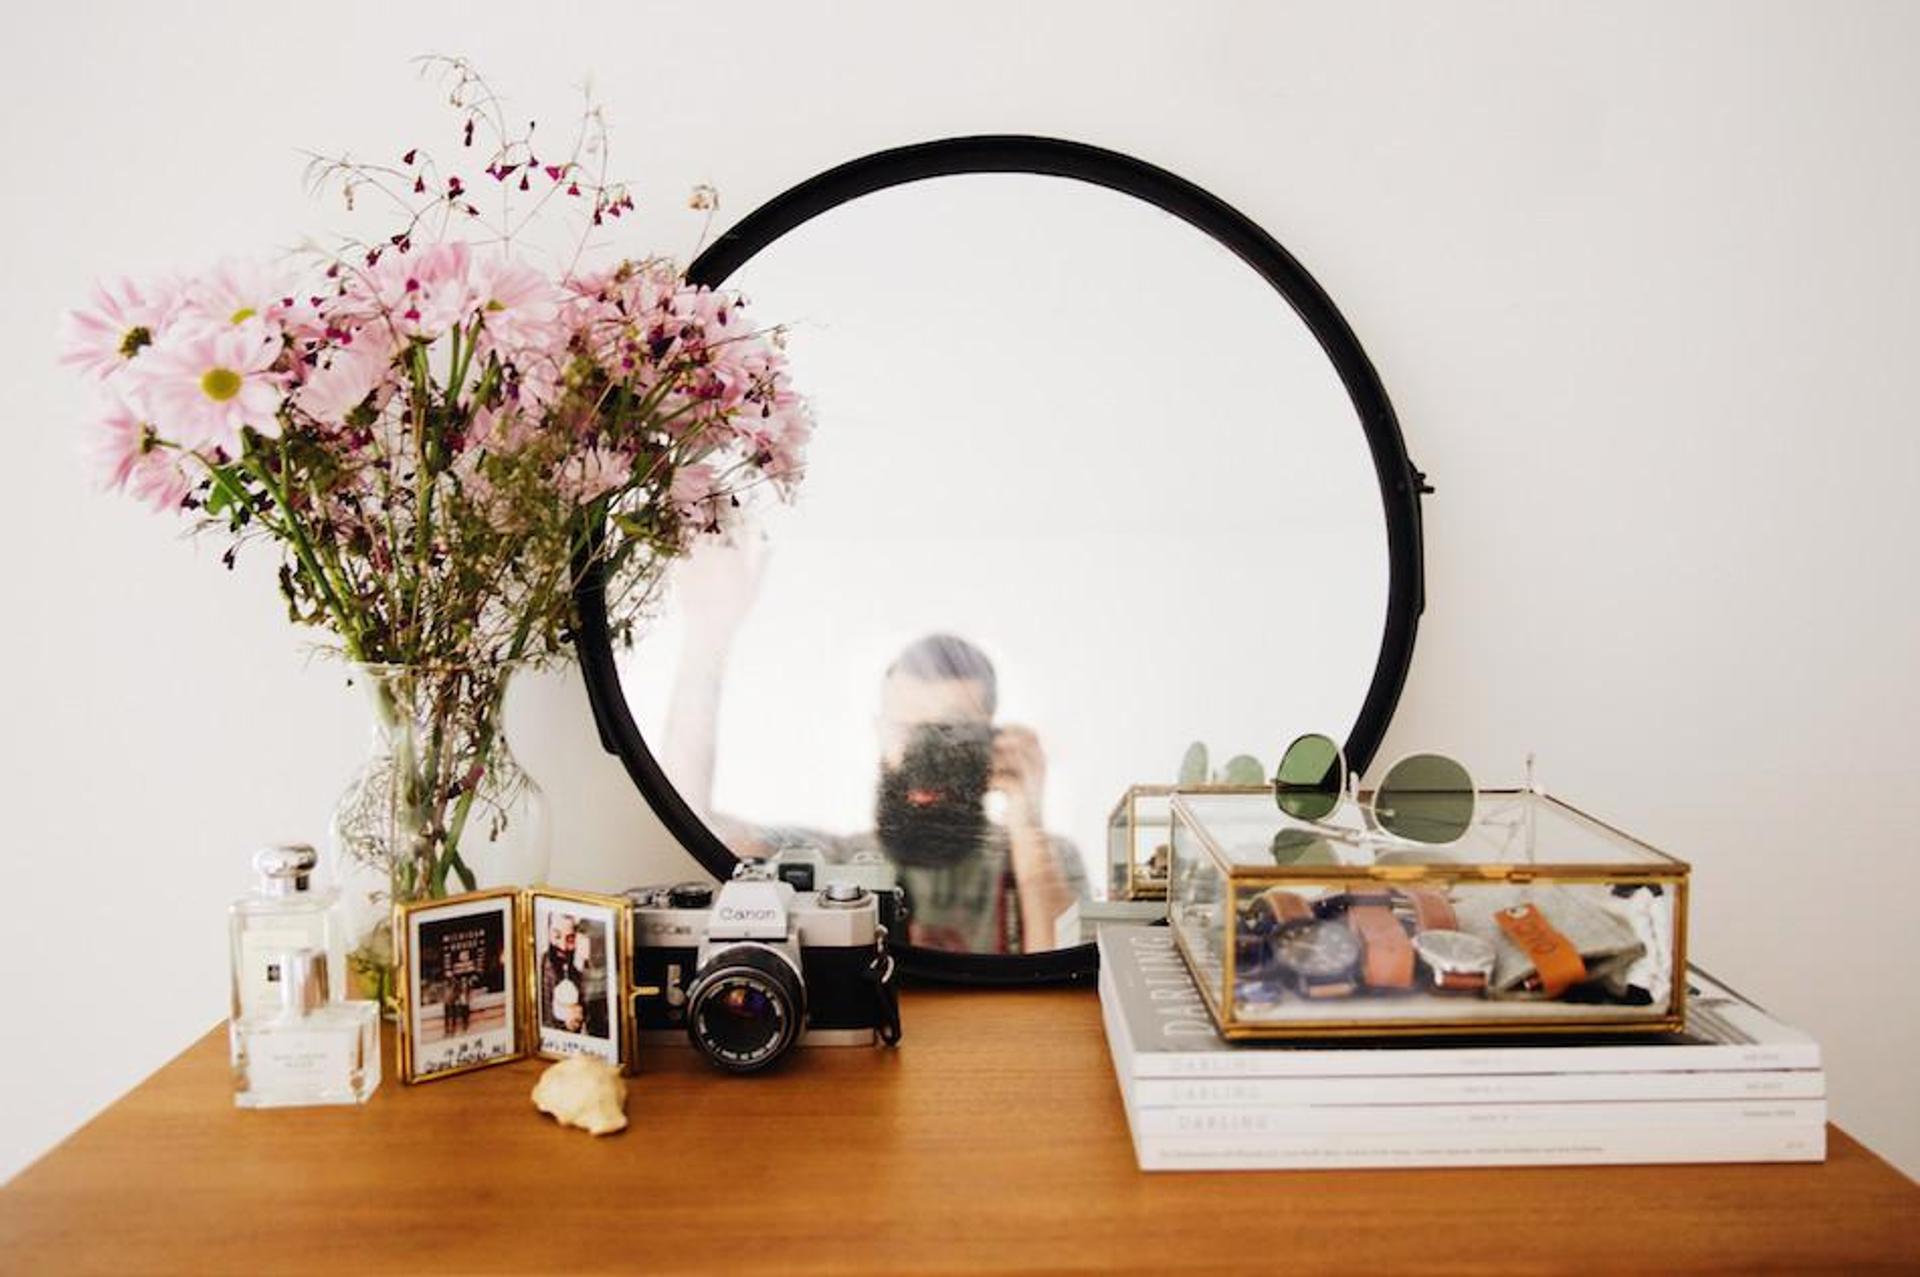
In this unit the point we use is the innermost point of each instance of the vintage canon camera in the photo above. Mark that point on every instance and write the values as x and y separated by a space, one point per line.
753 968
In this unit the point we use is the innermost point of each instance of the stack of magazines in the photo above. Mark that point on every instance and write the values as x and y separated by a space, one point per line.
1738 1086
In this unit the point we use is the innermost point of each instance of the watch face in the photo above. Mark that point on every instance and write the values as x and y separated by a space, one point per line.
1455 951
1317 950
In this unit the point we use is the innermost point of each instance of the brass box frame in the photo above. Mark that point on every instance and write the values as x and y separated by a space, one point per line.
1134 885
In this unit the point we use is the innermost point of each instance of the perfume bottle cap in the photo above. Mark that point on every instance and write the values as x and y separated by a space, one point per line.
285 870
303 981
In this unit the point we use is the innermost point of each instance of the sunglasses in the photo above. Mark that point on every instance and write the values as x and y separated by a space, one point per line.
1423 798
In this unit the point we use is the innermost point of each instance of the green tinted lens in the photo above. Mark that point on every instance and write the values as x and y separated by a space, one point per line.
1310 778
1299 847
1425 798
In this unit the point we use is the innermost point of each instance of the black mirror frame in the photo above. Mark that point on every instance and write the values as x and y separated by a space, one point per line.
1401 483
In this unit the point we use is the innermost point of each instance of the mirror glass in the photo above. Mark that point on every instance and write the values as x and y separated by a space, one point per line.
1083 490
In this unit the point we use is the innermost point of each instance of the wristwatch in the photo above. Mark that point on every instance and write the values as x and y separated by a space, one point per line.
1260 917
1319 958
1457 961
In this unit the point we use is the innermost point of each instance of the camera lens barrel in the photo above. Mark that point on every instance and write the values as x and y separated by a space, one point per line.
746 1007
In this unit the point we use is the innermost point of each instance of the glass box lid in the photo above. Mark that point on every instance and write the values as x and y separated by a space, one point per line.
1512 829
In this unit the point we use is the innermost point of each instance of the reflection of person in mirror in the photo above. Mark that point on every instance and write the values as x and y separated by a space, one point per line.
975 884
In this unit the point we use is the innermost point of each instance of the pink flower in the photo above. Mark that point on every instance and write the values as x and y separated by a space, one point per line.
779 445
701 504
129 457
345 377
692 486
199 387
239 292
518 305
594 473
539 378
124 320
504 430
419 294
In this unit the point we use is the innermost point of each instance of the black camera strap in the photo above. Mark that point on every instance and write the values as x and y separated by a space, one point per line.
886 991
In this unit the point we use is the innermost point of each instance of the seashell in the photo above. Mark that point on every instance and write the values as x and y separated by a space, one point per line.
584 1092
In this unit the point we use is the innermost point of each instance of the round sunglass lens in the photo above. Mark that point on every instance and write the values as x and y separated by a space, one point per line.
1299 847
1425 798
1311 776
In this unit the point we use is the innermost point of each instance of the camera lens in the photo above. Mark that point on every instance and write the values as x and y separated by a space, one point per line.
746 1007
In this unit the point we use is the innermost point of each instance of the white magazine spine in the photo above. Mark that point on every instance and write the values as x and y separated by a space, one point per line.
1491 1088
1783 1142
1705 1120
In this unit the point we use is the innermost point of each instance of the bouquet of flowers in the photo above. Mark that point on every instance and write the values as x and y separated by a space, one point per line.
439 435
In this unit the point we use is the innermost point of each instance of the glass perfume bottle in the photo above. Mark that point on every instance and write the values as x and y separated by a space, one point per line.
310 1049
283 912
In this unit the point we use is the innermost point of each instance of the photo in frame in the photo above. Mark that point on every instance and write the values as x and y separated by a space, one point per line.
577 976
460 996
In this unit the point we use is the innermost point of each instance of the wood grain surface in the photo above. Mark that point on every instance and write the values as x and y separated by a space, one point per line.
992 1140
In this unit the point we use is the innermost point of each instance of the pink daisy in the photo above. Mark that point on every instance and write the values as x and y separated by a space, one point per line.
519 307
419 294
124 320
238 291
594 473
129 457
344 379
200 387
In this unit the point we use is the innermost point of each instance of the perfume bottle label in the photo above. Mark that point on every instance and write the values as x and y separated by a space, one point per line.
287 1061
260 951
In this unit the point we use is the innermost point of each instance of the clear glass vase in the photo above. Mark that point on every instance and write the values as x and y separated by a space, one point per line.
440 807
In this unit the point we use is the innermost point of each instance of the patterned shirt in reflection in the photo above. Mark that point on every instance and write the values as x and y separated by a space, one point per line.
969 906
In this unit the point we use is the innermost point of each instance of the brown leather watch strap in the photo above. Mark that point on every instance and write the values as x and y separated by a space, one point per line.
1460 981
1344 989
1555 959
1432 911
1285 906
1388 951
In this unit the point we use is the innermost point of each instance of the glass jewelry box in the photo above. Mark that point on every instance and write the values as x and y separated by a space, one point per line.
1139 837
1540 919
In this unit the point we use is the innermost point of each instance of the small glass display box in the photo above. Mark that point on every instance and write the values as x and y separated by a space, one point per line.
1139 838
1540 919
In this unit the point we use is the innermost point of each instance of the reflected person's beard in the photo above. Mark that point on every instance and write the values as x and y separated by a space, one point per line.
930 811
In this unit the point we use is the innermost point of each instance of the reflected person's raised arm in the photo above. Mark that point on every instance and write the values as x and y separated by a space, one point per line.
715 587
1043 885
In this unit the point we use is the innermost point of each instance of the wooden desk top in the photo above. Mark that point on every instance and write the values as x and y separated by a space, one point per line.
994 1139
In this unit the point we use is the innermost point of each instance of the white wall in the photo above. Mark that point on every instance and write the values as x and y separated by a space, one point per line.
1639 278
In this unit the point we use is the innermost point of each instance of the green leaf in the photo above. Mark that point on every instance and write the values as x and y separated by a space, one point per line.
1244 769
1193 765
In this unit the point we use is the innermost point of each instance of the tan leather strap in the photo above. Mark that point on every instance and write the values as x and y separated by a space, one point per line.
1432 911
1388 960
1285 906
1555 959
1460 981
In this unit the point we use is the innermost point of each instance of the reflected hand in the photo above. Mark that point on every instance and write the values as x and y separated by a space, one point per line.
719 579
1019 771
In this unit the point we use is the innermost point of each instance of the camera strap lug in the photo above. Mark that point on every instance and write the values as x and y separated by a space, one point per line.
886 990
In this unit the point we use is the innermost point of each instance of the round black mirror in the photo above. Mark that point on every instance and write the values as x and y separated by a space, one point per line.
1099 472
